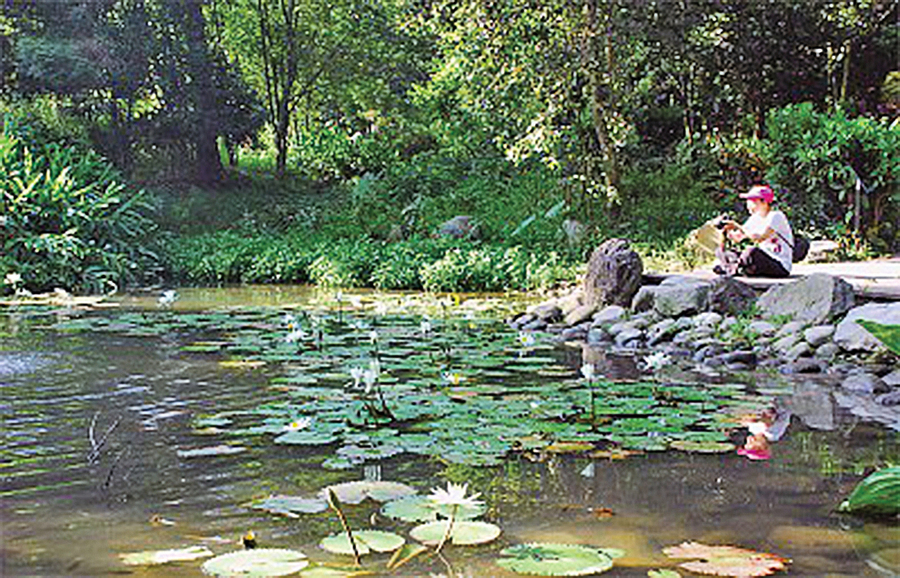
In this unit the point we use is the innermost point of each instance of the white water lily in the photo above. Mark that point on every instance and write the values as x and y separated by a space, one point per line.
294 336
289 321
589 371
370 377
168 297
425 327
757 427
526 339
357 374
298 424
373 336
657 360
453 378
455 495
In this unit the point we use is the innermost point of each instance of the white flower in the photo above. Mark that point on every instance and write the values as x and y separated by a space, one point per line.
289 320
589 371
454 495
298 424
12 279
357 374
425 327
339 296
294 336
167 298
373 336
526 339
452 378
370 376
758 427
657 360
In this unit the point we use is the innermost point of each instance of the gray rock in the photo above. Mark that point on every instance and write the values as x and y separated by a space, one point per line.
804 365
864 382
639 322
617 328
683 338
577 333
613 274
813 404
628 336
740 356
536 325
727 323
708 318
460 227
556 327
729 296
815 299
818 334
609 314
571 302
549 312
789 328
661 331
892 378
684 323
644 299
579 315
762 328
851 336
890 398
597 336
680 299
827 351
799 350
522 320
785 344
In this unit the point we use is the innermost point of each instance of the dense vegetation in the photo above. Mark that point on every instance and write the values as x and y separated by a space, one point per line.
277 143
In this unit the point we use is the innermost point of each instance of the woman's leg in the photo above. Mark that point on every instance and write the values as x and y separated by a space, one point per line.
754 262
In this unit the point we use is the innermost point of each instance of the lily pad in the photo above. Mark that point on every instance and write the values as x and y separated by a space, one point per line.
726 560
463 533
333 572
291 506
259 563
356 492
558 559
155 557
366 541
702 447
424 509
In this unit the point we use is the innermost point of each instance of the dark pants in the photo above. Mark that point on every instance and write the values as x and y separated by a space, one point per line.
752 262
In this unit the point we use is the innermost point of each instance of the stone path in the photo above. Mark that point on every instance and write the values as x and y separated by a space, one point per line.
874 279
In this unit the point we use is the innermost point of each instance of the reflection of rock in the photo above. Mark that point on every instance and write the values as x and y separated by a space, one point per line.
610 365
851 336
866 407
816 299
812 403
815 538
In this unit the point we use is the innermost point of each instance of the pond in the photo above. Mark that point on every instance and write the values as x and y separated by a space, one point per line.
143 425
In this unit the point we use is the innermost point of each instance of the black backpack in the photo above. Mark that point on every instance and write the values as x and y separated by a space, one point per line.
801 248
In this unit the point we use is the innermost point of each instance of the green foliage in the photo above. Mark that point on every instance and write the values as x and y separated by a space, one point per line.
69 220
878 493
889 335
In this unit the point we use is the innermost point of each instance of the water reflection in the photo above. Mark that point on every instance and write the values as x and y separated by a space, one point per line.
71 504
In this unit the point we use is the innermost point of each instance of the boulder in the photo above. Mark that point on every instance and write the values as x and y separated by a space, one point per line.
613 274
762 328
629 337
790 328
864 382
815 299
851 336
827 351
659 332
729 296
644 299
676 300
708 319
579 314
892 378
572 301
609 314
460 227
818 335
549 312
799 350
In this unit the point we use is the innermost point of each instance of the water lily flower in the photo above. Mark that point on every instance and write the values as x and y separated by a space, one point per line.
357 374
425 327
658 360
298 424
289 320
294 336
452 378
526 339
12 279
455 495
373 337
370 376
167 298
589 371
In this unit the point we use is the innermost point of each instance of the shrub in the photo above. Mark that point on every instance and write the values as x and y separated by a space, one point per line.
68 218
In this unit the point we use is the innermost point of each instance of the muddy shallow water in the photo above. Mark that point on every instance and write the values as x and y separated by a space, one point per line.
70 511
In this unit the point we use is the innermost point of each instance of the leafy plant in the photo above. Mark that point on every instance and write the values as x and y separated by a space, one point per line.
889 335
878 493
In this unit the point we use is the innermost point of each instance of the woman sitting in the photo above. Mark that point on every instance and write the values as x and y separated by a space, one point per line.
771 252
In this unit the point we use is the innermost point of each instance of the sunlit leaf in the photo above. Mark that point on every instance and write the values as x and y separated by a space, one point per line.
291 506
547 559
463 533
366 541
154 557
258 563
356 492
726 560
220 450
423 509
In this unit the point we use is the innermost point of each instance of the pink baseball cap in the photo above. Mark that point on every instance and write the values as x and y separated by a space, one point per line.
760 192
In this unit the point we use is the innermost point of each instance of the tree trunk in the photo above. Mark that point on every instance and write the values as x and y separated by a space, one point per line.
208 168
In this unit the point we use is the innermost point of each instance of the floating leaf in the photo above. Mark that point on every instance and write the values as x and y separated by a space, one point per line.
291 506
258 563
356 492
878 493
663 573
424 509
242 363
333 572
366 541
702 447
154 557
464 533
569 447
220 450
547 559
726 560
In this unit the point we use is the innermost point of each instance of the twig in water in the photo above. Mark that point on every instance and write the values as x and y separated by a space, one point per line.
335 504
112 468
95 452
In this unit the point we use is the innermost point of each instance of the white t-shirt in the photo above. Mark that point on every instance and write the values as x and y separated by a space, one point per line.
779 246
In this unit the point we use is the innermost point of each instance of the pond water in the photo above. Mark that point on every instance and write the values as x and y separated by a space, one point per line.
139 427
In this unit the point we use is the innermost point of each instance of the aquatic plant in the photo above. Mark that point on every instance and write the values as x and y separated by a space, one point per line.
878 494
548 559
726 560
257 563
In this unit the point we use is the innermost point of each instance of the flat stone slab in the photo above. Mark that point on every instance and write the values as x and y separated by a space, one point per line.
874 279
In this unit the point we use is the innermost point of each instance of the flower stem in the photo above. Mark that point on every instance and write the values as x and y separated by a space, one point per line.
449 529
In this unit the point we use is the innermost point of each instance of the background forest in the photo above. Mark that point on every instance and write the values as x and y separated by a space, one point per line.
213 141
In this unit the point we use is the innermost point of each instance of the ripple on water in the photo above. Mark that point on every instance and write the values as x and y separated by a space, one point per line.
18 362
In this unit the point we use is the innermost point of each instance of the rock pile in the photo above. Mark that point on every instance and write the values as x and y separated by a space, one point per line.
803 326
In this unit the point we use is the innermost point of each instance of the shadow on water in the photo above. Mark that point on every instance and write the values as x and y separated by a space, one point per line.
93 422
